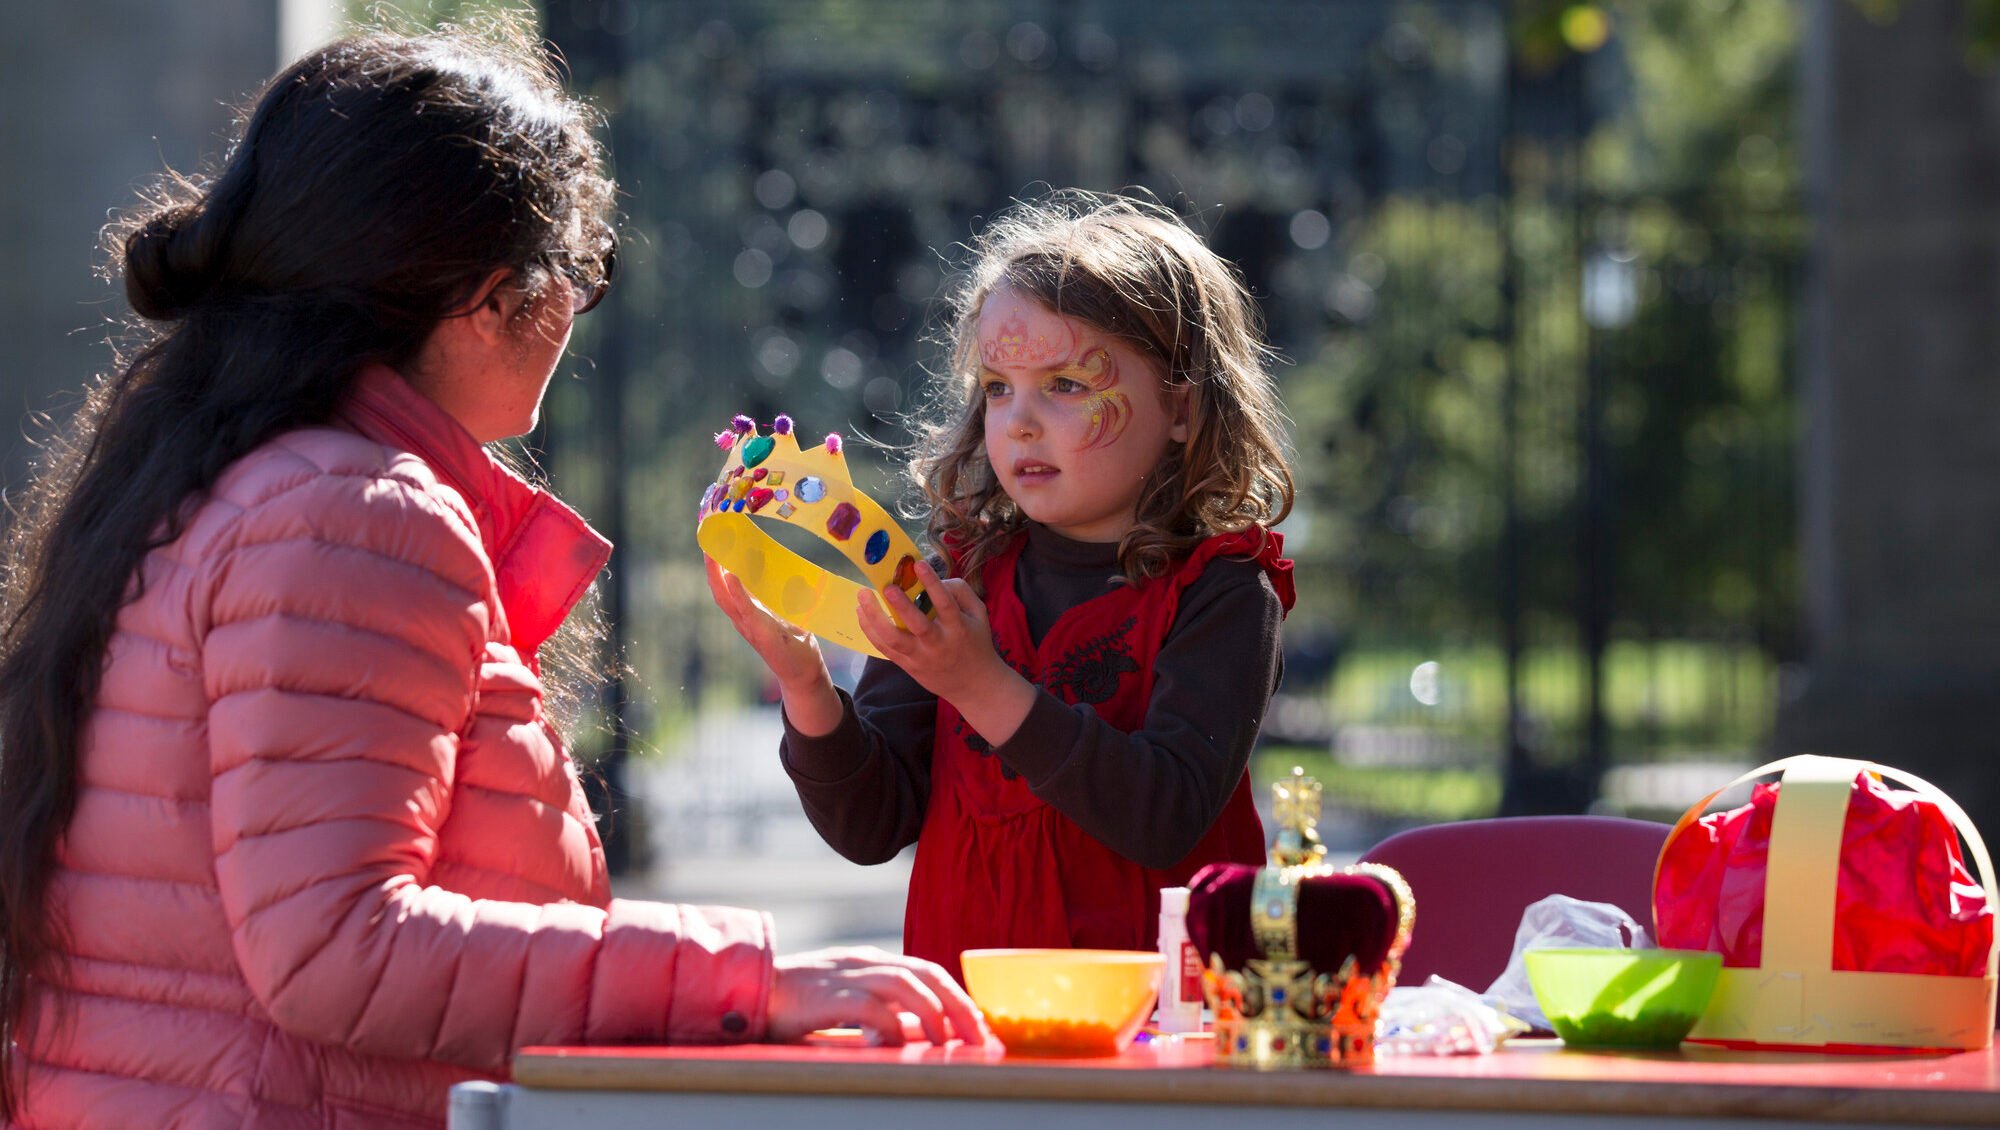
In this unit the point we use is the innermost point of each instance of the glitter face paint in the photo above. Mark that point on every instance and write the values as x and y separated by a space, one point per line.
1015 343
1075 418
1109 409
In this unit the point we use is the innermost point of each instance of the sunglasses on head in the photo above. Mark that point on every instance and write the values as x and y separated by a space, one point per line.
587 291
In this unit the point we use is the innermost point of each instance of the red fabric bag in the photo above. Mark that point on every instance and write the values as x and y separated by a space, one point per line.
1905 902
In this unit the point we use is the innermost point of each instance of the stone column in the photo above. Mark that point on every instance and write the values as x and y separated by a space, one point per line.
95 97
1900 461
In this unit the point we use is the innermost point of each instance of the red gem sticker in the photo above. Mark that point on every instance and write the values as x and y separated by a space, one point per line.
906 573
758 498
843 521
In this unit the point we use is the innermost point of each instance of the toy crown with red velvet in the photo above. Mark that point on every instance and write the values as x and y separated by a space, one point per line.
1300 952
772 477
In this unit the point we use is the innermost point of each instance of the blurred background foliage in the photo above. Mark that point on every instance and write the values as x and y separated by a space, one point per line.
1533 268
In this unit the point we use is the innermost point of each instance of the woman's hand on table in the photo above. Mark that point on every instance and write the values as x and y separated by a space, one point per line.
866 988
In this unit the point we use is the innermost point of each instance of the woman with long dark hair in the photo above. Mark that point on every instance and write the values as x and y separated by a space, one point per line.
286 837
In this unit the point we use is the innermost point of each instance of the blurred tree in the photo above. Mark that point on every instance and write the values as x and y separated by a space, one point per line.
1652 235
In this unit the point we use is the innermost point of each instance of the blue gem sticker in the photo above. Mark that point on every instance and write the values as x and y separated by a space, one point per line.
809 489
878 547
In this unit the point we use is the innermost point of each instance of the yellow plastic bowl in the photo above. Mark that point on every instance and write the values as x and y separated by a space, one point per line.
1063 1002
1622 998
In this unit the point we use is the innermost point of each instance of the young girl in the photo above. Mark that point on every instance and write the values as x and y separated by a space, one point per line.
1071 731
286 836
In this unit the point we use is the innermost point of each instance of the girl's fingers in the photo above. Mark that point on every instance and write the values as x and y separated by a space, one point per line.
887 638
941 597
914 622
718 585
968 601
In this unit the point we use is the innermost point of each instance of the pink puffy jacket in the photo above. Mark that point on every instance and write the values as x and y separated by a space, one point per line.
328 858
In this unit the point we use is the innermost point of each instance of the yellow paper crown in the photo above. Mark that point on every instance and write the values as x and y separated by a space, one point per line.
772 477
1280 1012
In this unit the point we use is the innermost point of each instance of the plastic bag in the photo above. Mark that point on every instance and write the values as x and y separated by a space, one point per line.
1559 922
1905 902
1440 1017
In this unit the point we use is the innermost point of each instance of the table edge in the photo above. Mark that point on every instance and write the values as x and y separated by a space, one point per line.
1252 1089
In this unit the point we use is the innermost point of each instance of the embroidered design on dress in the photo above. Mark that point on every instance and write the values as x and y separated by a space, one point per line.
1090 671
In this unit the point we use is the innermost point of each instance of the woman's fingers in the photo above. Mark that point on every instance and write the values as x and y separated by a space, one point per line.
879 1019
963 1015
903 992
870 989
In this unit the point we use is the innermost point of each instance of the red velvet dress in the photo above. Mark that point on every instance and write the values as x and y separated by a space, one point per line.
997 866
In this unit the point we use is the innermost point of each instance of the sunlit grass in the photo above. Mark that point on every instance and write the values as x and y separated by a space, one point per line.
1660 699
1415 795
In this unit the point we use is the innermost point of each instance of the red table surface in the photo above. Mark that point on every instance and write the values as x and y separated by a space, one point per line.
1947 1089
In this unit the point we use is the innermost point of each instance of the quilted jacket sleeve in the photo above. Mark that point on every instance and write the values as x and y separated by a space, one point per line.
346 614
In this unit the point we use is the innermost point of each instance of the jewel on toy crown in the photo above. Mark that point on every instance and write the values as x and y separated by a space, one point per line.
812 469
774 476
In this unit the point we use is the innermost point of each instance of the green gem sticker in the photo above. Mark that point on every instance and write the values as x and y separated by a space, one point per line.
758 450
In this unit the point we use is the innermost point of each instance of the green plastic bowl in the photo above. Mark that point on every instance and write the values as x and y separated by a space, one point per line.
1622 998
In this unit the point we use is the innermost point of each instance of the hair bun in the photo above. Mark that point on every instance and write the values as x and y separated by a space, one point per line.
168 269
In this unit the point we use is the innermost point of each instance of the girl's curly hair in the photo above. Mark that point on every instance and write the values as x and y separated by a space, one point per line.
1134 269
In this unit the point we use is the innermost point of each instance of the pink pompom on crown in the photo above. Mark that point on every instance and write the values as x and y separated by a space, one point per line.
781 426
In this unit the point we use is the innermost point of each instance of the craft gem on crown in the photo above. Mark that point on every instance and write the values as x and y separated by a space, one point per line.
821 497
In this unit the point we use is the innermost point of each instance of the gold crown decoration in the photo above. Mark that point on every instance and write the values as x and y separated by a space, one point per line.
770 476
1278 1011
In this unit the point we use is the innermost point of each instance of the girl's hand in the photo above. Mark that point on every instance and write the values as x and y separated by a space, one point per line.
945 654
791 653
951 655
868 988
812 706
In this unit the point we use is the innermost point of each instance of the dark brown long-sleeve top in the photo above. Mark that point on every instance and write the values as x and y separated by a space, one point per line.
1149 795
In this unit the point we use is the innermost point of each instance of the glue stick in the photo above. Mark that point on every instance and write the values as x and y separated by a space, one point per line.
1180 983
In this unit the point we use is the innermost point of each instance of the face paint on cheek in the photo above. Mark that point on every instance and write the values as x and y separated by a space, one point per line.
1012 344
1108 408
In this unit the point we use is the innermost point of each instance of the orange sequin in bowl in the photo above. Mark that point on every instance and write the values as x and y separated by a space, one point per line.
1050 1002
